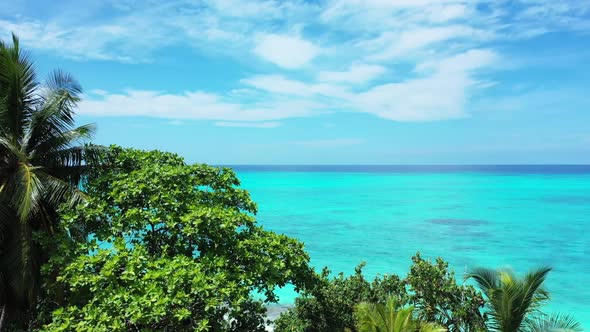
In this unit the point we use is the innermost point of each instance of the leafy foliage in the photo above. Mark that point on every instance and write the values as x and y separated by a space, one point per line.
329 306
514 304
41 163
554 322
389 317
437 297
430 288
124 289
510 299
170 235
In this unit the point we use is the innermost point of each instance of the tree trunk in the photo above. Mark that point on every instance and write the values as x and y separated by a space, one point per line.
2 317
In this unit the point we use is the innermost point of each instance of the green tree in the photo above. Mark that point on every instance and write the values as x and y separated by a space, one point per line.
513 304
41 161
437 297
430 288
123 288
329 305
390 317
159 230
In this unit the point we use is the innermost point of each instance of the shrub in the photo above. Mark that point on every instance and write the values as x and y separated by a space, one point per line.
430 287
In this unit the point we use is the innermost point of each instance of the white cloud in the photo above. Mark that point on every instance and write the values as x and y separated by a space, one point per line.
433 98
137 29
395 44
357 73
440 95
246 8
269 124
189 105
385 15
434 52
98 92
111 42
449 12
470 60
440 92
286 51
281 85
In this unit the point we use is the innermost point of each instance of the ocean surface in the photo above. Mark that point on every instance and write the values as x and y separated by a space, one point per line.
517 217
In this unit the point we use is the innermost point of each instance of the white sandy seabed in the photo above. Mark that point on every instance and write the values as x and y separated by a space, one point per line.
273 312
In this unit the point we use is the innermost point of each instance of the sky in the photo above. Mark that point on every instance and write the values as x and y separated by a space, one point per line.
324 82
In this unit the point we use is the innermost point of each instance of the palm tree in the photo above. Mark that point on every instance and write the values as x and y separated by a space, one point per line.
41 163
388 317
513 304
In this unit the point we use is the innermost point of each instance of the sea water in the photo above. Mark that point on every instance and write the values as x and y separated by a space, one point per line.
517 217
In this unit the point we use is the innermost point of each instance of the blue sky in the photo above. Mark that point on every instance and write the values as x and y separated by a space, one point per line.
325 82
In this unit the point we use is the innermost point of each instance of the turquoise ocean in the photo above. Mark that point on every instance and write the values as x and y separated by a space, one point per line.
516 217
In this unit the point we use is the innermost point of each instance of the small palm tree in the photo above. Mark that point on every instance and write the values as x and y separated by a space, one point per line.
513 304
388 317
41 163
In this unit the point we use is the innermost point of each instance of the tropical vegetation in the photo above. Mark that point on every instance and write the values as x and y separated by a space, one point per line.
173 246
430 288
97 238
389 317
514 304
41 163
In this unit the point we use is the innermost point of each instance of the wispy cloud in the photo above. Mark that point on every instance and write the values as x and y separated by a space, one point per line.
406 43
189 105
357 73
439 92
405 60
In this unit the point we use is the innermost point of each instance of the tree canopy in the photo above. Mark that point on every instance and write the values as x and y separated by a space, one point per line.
430 288
172 245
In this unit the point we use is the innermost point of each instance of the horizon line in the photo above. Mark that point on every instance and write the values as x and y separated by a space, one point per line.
401 165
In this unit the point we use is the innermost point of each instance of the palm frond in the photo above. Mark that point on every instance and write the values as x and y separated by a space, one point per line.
57 145
18 86
27 191
58 191
554 323
486 279
511 300
62 81
9 146
431 327
53 118
535 294
389 317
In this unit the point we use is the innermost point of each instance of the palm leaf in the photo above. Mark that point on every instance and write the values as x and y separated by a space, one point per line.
511 300
388 317
58 191
18 85
58 146
554 323
27 191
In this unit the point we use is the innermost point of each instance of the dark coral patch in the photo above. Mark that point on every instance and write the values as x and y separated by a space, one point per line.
458 222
